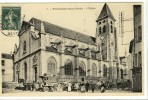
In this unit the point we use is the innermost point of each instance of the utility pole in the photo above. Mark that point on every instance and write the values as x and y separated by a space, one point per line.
121 26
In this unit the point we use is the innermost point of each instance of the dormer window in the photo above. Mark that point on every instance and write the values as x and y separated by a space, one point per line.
24 47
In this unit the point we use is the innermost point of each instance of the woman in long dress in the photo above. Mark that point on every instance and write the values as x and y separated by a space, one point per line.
82 87
69 87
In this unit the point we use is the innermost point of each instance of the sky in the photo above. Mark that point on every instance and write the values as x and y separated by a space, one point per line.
80 17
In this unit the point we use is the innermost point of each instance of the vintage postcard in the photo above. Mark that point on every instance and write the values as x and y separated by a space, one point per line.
72 49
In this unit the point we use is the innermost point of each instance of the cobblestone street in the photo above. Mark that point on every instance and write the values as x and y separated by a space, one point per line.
11 91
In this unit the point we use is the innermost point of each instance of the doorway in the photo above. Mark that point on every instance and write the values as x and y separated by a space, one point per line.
25 71
35 74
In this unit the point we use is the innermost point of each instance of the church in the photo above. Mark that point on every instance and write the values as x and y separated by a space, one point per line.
66 55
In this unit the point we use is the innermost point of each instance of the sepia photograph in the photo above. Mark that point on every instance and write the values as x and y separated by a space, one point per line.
72 49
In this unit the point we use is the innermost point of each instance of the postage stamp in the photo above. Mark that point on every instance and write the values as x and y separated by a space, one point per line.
11 18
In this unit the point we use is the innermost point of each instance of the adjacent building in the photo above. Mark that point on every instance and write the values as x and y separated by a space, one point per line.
66 55
136 49
7 67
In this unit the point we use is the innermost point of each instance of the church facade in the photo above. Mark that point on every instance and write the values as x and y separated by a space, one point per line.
66 55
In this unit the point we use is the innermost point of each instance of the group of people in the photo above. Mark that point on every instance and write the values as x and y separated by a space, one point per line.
78 87
85 87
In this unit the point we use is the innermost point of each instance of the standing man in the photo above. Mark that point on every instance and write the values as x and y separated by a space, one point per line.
102 87
87 86
93 87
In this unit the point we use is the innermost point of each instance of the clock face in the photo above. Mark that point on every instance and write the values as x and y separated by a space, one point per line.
102 37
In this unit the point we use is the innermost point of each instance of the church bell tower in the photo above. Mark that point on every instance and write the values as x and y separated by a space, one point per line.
106 39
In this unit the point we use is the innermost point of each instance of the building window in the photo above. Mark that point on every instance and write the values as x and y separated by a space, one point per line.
104 29
94 70
82 69
103 44
111 22
51 66
139 33
68 68
24 47
99 23
139 59
104 57
99 30
111 27
136 60
121 73
103 21
3 62
104 71
3 72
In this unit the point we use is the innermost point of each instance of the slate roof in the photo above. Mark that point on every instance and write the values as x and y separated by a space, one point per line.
6 56
106 12
57 30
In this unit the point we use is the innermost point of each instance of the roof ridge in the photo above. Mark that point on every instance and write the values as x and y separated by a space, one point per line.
61 27
67 33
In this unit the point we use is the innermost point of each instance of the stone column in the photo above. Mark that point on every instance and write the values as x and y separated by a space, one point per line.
62 48
76 54
88 63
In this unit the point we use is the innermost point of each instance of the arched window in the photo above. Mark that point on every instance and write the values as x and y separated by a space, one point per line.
111 27
104 29
104 71
94 70
24 47
68 68
82 69
121 73
51 69
25 71
99 30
